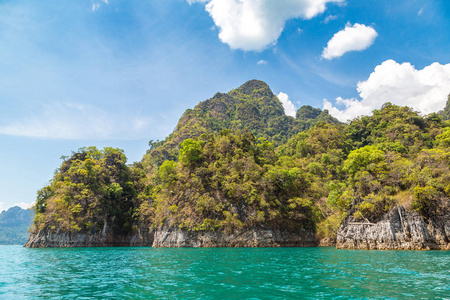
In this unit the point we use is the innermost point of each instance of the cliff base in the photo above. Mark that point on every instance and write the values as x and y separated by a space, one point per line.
398 230
175 237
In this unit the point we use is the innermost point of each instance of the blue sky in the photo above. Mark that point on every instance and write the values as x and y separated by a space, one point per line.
120 73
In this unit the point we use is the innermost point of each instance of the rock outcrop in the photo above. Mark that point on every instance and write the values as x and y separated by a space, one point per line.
398 230
327 242
46 238
175 237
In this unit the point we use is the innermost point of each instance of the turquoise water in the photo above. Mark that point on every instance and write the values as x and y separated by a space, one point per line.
233 273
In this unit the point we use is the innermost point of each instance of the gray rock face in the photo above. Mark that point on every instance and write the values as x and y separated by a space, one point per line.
175 237
399 230
59 239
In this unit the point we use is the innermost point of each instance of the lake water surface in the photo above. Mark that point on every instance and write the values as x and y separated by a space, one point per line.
222 273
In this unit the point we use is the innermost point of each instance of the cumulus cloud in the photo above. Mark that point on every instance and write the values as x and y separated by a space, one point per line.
352 108
352 38
76 121
252 25
424 90
289 107
262 62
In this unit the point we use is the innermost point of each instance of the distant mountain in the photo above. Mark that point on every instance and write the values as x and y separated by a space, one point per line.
14 225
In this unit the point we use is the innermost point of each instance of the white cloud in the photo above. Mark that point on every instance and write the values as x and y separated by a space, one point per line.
352 38
353 108
424 90
95 6
289 108
262 62
76 121
330 18
420 11
252 25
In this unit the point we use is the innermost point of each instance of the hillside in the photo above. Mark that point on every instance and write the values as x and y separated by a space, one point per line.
14 225
237 172
252 107
445 113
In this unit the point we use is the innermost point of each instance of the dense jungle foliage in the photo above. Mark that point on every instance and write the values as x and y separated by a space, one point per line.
236 161
93 189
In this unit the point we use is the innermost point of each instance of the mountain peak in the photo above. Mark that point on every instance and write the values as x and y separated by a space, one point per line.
307 112
255 87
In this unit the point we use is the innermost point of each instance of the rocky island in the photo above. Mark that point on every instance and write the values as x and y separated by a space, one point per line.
238 172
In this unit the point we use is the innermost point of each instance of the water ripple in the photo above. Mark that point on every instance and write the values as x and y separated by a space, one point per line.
237 273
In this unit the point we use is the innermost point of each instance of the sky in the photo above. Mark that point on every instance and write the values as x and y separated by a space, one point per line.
121 72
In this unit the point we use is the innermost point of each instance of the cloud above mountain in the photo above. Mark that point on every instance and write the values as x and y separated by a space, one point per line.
352 38
289 107
252 25
424 90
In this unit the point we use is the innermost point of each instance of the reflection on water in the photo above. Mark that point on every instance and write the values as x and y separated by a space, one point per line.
261 273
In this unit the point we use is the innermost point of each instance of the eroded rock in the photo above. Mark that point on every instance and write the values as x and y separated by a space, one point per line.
399 230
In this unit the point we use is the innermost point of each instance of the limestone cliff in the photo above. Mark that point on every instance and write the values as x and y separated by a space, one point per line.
174 237
399 230
47 238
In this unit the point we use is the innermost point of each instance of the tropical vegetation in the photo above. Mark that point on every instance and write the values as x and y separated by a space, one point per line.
237 161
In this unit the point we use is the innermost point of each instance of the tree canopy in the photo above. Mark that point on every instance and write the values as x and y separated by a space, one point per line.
236 161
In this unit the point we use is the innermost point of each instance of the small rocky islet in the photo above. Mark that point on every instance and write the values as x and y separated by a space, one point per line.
238 172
